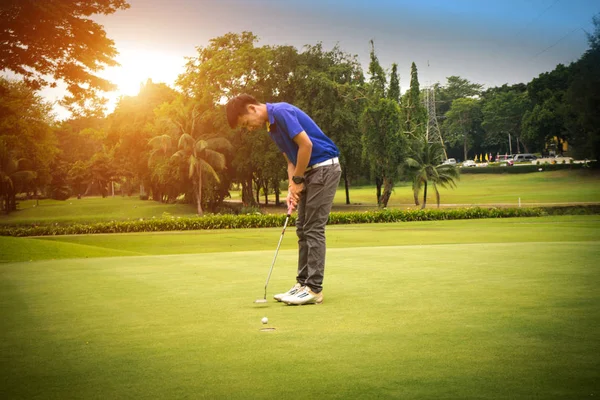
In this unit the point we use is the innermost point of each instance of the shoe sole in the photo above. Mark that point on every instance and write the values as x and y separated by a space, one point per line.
280 300
304 304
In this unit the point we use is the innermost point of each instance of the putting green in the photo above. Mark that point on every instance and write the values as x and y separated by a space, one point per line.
488 320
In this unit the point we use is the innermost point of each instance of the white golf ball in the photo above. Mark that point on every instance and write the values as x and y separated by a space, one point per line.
264 320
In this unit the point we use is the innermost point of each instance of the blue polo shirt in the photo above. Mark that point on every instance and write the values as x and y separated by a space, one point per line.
286 121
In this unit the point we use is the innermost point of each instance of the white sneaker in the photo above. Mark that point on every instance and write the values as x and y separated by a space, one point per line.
295 289
304 296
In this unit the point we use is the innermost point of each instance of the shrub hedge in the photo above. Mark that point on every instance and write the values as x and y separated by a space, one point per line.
277 220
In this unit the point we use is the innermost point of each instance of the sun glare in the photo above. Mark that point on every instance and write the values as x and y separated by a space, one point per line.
139 65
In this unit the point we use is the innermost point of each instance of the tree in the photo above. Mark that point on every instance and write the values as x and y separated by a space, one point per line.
462 123
198 149
377 79
129 128
546 121
548 114
394 89
455 88
13 177
502 116
79 176
583 98
425 167
26 128
228 66
383 143
327 85
57 38
101 171
375 92
414 112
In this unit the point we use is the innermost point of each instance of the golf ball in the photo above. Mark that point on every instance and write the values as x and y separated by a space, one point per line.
264 320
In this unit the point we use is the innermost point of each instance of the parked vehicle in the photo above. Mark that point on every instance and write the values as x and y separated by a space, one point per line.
450 161
503 158
469 163
524 157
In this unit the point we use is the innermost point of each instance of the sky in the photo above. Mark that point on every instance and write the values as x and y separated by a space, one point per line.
491 42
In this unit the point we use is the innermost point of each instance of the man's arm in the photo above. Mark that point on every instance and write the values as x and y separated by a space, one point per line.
290 168
303 157
304 152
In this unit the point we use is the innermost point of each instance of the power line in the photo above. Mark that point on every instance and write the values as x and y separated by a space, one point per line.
536 18
558 41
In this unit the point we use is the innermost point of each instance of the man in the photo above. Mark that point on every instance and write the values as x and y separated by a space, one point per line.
313 172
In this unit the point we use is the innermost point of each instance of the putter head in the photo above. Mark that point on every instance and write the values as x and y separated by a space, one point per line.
260 301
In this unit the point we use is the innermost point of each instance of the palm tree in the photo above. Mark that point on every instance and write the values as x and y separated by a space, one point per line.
202 154
425 165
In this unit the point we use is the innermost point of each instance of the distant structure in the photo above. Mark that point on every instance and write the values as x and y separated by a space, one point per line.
432 133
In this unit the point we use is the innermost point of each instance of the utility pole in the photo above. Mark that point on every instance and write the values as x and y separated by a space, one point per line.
433 133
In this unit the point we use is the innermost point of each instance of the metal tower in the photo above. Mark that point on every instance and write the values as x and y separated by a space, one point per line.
432 133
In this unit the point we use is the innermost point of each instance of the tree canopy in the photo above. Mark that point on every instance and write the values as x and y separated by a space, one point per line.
55 40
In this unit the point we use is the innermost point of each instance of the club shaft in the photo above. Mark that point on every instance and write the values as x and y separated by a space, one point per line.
276 252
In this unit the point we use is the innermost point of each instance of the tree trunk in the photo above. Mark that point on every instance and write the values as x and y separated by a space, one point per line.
12 199
424 195
378 182
199 194
276 188
465 152
247 193
347 186
257 184
388 184
265 188
415 188
89 188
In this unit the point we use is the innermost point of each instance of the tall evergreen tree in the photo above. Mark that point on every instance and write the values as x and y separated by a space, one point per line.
394 89
376 92
383 144
415 114
377 76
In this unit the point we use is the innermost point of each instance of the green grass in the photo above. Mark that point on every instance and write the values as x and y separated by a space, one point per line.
546 188
501 189
490 309
572 228
92 209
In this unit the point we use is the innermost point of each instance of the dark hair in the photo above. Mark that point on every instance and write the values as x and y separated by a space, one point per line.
238 106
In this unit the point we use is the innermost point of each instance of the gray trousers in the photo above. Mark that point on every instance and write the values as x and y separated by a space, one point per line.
313 212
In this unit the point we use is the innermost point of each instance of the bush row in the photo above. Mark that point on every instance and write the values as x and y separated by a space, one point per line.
277 220
524 169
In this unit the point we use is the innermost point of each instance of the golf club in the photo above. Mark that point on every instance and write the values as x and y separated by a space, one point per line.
287 218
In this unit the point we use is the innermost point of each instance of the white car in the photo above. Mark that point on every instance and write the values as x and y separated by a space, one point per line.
469 163
450 161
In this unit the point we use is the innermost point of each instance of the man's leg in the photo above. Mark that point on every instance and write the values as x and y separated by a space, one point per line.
321 185
302 245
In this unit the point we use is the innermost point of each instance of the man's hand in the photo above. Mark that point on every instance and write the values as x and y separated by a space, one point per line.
294 191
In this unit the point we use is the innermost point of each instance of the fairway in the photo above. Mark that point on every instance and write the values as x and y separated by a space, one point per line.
547 188
489 309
